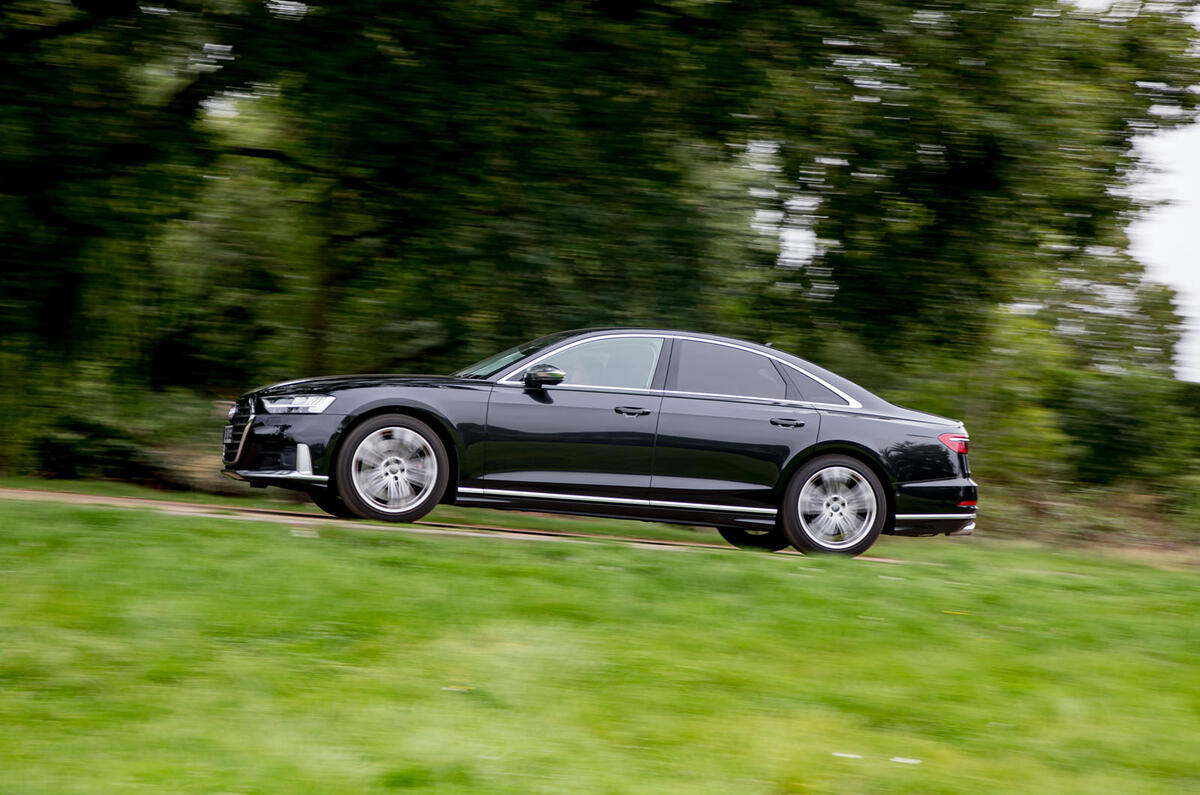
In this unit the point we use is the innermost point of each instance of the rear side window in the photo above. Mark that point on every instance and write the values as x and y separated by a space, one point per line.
720 370
814 391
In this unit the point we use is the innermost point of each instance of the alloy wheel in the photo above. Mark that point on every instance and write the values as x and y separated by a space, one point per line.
394 469
837 507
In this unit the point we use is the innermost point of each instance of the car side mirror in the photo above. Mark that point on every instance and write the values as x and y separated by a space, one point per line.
543 375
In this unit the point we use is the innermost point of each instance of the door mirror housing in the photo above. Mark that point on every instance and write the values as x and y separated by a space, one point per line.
543 375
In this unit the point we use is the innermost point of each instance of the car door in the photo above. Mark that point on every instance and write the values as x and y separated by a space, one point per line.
590 436
729 423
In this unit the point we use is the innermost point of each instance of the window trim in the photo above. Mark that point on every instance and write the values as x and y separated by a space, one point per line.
797 385
850 403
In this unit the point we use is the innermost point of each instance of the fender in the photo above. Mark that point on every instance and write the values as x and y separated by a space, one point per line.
458 436
837 446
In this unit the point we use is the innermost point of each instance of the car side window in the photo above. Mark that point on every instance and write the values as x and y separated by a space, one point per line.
815 392
621 363
721 370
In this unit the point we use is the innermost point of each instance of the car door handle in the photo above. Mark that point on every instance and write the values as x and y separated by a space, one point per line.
632 411
787 422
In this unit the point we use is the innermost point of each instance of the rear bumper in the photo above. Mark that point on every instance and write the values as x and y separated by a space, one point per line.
936 507
960 524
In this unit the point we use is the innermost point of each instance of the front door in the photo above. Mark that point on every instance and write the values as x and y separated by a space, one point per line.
591 436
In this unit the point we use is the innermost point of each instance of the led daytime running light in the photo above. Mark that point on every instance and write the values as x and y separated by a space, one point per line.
297 404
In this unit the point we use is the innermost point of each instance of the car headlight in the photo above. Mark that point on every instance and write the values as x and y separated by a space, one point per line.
297 404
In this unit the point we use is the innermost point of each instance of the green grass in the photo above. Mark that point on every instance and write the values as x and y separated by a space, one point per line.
151 653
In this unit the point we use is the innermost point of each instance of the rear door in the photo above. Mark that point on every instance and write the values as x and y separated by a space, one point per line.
729 424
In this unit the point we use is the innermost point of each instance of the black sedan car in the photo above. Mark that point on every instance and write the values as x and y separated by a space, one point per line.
647 424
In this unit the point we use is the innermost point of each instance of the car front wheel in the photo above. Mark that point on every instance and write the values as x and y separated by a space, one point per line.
392 467
834 504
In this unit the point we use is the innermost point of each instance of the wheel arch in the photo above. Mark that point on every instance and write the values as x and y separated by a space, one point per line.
864 455
440 425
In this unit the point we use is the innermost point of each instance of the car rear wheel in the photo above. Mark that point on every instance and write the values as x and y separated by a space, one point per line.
392 467
771 540
834 504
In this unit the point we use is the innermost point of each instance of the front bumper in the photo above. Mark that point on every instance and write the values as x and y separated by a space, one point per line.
290 450
292 478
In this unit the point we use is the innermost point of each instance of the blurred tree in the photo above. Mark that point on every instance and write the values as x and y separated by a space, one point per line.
941 152
1124 425
212 194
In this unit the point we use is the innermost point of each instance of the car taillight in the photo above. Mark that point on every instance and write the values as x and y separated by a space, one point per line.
955 441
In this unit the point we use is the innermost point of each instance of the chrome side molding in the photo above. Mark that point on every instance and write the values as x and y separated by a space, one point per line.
541 495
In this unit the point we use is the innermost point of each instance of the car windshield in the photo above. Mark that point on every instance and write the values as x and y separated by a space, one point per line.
493 364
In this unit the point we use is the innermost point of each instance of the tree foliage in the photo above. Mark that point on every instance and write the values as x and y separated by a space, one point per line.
209 195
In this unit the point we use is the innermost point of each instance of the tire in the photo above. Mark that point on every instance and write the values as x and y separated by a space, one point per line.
771 540
834 504
329 502
378 466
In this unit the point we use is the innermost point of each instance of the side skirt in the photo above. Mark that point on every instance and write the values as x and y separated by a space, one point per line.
618 508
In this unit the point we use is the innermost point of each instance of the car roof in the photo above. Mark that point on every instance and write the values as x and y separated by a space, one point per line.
601 330
864 396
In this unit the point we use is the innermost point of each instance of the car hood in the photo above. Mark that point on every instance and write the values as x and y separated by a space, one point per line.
335 383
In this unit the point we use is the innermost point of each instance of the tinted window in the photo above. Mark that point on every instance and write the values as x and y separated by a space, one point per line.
814 391
626 362
721 370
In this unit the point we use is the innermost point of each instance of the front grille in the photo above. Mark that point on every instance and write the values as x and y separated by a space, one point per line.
243 414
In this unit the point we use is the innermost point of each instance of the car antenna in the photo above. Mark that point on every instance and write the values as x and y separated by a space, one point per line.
769 344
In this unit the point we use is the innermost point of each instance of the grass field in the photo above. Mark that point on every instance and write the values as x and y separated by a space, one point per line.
153 653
